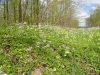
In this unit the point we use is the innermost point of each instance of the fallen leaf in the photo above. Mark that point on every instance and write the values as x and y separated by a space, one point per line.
36 72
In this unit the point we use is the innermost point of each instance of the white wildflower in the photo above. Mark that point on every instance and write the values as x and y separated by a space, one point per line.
44 36
47 45
2 73
49 41
66 37
38 43
20 27
58 56
35 30
43 47
63 66
67 52
44 41
11 28
41 35
29 49
25 23
63 45
67 47
21 57
41 31
64 54
39 25
31 28
54 69
73 48
28 27
37 46
59 46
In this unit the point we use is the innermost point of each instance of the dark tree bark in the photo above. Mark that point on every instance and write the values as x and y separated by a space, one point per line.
25 10
31 13
7 12
36 11
14 13
20 11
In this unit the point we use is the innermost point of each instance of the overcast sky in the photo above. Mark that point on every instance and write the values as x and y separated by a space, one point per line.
87 5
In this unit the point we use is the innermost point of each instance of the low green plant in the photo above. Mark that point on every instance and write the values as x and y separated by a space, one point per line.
56 51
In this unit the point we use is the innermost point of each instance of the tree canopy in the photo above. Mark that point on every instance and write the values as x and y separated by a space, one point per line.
94 19
52 12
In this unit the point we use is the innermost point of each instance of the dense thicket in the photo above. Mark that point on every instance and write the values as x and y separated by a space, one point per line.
94 19
52 12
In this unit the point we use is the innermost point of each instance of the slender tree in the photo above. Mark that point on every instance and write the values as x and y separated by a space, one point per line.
20 11
4 10
36 11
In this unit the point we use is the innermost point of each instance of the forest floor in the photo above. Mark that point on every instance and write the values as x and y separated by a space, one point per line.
49 49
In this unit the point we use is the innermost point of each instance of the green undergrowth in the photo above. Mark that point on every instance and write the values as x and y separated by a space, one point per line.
54 50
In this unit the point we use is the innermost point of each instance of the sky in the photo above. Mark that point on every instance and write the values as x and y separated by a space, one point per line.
86 6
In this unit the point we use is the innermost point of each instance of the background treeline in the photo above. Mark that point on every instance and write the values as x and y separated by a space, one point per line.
94 19
52 12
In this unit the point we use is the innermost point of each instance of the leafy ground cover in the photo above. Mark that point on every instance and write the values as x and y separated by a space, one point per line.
54 50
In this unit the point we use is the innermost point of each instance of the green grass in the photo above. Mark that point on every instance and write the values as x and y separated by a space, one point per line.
57 51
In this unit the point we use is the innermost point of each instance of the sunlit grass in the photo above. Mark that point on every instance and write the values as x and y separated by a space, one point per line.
55 50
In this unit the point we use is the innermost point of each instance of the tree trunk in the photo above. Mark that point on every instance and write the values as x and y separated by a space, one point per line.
4 11
7 12
36 12
20 12
14 14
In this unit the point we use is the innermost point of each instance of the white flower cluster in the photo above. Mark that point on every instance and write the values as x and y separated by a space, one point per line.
37 44
42 34
47 46
29 49
2 73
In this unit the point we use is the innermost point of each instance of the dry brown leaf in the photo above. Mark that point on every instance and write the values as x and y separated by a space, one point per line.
36 72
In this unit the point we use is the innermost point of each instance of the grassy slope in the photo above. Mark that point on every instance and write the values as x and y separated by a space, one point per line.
57 51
